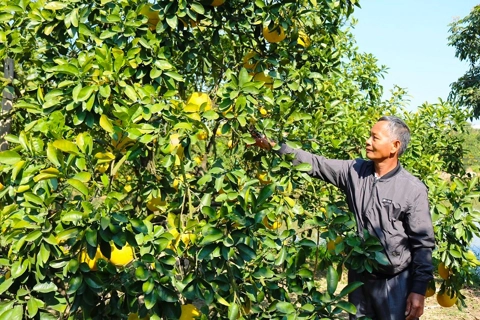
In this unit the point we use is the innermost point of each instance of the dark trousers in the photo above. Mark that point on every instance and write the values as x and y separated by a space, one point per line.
380 298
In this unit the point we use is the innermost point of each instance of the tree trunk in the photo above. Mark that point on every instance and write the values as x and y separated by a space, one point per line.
6 105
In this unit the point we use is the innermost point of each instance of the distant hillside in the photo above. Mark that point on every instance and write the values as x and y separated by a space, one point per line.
472 149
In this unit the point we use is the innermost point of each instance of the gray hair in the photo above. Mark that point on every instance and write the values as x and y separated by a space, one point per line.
398 130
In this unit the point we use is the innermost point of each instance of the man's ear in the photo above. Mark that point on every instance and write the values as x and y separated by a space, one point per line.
395 146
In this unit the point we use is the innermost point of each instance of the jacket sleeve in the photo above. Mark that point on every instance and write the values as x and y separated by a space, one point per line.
329 170
419 228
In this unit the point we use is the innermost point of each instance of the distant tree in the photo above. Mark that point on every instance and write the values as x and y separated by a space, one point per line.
465 37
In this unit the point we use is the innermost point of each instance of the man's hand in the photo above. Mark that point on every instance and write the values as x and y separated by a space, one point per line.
415 306
262 141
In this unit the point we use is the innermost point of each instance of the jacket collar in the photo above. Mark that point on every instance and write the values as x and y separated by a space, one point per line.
390 173
393 172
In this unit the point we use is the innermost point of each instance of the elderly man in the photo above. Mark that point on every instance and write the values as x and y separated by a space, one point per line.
392 205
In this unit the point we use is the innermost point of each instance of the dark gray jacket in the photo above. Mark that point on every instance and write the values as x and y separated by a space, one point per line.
393 208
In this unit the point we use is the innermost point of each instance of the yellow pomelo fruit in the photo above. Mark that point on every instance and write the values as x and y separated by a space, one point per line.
188 238
175 139
92 263
216 3
265 78
275 35
102 167
248 62
189 312
202 135
154 203
263 177
332 244
303 39
153 17
430 292
443 271
134 316
197 160
273 226
196 101
175 184
445 300
430 289
123 256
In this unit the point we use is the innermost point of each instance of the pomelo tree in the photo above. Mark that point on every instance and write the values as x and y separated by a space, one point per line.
129 188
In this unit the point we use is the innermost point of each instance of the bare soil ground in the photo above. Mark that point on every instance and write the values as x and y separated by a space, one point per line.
433 311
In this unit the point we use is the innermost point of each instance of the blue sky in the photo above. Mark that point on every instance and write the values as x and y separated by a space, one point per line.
410 38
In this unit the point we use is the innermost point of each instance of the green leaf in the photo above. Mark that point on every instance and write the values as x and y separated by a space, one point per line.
66 146
44 253
67 234
263 273
34 235
9 157
150 300
45 287
106 124
91 237
74 284
349 288
285 307
93 282
44 176
72 216
332 280
265 193
166 294
69 69
83 176
381 258
346 306
246 253
55 5
198 8
52 155
174 76
206 251
32 307
85 93
243 78
79 185
18 268
211 234
172 21
5 285
6 305
305 273
131 93
304 167
30 197
233 311
13 314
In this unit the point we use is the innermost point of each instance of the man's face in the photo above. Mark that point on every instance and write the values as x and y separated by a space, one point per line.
380 145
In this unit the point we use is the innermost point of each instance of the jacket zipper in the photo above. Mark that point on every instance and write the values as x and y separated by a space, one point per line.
364 213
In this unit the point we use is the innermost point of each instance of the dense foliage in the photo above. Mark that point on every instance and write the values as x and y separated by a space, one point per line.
131 130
